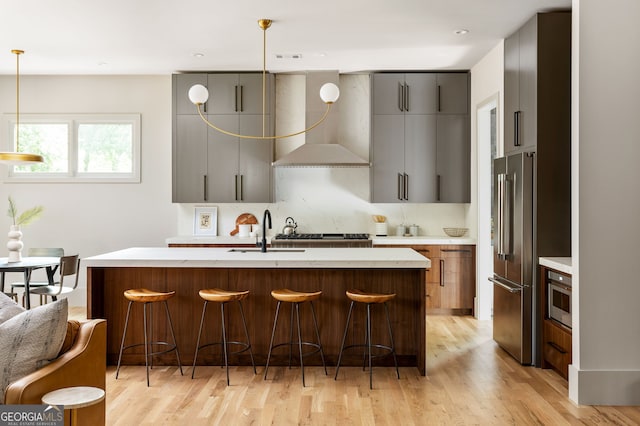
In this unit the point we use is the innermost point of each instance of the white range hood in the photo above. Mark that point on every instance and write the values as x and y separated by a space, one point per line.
321 147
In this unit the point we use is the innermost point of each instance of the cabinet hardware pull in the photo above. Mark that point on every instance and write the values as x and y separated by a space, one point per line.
236 98
406 187
441 272
205 187
557 347
406 97
456 250
400 185
236 187
438 182
516 128
241 98
438 98
400 96
241 187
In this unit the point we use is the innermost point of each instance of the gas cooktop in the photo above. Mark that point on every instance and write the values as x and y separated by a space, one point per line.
322 237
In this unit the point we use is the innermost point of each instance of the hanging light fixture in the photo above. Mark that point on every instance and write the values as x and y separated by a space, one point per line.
17 157
329 93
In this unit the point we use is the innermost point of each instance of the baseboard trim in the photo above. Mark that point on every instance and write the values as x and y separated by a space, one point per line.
604 387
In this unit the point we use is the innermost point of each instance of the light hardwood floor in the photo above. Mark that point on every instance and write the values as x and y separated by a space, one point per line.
470 381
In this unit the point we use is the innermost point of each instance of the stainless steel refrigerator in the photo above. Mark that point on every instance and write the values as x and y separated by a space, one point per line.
514 261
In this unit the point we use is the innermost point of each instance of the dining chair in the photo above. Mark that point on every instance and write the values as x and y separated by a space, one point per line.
12 295
69 266
39 252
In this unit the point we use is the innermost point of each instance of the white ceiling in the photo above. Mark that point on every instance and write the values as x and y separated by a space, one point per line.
161 36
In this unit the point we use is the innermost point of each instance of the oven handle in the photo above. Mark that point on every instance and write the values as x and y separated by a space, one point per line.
556 284
507 287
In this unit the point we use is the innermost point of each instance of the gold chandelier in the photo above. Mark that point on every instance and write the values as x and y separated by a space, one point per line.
17 157
329 93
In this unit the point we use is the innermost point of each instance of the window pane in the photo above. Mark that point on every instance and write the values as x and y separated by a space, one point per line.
51 140
105 148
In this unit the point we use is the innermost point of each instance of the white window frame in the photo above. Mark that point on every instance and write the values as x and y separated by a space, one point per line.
74 121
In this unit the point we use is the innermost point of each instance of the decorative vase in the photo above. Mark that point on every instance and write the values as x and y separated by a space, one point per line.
15 244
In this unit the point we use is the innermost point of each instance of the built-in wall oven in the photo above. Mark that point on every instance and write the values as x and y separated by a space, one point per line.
559 297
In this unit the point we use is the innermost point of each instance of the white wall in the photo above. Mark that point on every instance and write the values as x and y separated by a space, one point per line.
606 203
486 89
95 218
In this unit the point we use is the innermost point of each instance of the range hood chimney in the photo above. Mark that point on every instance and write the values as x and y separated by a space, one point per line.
321 147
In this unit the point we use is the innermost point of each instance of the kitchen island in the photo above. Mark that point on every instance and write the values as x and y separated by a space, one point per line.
332 270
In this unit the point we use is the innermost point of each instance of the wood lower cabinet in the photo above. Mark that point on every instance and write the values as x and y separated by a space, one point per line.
450 282
556 349
556 339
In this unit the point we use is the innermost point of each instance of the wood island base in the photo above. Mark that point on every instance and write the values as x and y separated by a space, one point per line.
105 287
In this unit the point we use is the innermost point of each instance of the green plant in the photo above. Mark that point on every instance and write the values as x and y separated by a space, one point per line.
26 217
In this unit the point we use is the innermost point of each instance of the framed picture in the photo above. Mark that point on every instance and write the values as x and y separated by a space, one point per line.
205 221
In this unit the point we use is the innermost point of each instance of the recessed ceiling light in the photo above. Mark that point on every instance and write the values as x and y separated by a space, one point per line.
461 31
103 64
198 55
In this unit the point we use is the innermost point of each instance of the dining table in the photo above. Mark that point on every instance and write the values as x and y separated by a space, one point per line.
27 265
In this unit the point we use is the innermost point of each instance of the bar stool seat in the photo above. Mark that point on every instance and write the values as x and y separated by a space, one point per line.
359 296
296 298
148 297
223 297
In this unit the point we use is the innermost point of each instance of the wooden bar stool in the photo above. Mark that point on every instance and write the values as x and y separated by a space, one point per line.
296 298
223 297
147 297
370 299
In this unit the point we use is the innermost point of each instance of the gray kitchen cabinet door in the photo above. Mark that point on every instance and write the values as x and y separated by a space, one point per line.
452 93
181 85
222 160
420 93
511 90
420 158
387 93
255 157
454 159
387 158
189 159
410 93
528 77
237 93
520 88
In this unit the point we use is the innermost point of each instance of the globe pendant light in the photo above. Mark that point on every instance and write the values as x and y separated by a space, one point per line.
17 157
329 93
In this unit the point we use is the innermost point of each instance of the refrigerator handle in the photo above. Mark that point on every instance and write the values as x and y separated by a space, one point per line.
501 200
505 286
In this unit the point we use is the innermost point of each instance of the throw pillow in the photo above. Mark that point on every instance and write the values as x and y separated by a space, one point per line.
8 308
30 340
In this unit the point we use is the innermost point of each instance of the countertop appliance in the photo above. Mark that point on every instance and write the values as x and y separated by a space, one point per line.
513 256
321 240
559 297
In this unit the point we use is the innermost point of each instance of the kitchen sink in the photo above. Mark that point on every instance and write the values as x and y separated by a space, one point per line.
243 250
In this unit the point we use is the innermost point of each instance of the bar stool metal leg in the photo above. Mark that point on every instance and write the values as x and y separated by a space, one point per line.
344 339
173 336
195 357
393 346
124 335
273 333
246 333
315 325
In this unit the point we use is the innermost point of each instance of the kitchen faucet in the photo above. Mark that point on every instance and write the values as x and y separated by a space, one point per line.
263 245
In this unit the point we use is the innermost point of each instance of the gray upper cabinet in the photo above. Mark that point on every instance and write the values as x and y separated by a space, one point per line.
535 71
210 166
411 93
452 93
181 86
420 147
453 168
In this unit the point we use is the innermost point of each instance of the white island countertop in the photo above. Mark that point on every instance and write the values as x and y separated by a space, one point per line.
197 257
562 264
